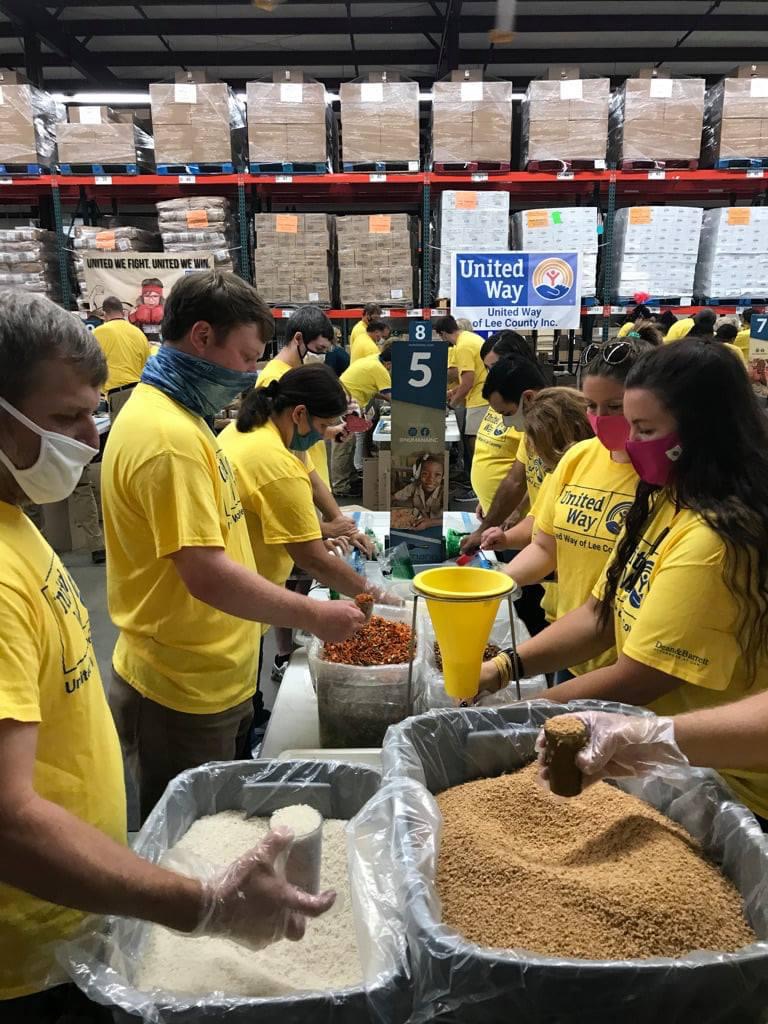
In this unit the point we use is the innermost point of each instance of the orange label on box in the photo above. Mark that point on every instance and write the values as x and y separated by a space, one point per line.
466 200
197 218
287 224
739 215
640 215
379 224
537 219
105 240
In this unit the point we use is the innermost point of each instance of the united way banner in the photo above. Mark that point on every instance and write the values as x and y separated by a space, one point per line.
533 291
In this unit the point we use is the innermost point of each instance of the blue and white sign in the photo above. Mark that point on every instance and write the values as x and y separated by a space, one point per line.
517 290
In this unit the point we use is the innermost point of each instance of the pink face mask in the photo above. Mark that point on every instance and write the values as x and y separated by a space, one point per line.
655 460
611 431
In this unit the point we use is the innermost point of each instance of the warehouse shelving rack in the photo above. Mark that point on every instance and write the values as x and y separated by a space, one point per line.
416 193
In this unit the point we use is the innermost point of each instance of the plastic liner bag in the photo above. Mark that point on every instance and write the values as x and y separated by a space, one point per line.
468 983
431 692
104 964
357 704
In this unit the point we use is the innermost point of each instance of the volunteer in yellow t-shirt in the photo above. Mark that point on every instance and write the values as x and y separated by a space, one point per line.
369 342
555 420
371 311
62 799
126 350
591 491
365 380
702 322
684 596
182 582
472 373
274 425
726 335
742 338
639 315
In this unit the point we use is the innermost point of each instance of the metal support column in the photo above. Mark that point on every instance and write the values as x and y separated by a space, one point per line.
607 257
61 243
426 249
244 261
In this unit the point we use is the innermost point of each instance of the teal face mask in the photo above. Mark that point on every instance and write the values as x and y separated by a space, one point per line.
303 442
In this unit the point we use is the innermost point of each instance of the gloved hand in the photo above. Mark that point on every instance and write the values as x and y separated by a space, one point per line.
381 595
252 903
621 746
494 539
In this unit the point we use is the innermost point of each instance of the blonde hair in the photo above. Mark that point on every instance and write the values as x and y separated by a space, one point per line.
465 325
555 420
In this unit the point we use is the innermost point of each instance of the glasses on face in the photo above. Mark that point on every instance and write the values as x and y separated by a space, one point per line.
614 353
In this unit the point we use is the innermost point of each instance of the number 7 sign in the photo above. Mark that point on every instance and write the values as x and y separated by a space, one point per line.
758 336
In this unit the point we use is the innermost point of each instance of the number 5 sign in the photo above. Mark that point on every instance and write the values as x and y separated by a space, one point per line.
420 368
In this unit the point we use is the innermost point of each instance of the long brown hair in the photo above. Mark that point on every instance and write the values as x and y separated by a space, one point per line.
555 420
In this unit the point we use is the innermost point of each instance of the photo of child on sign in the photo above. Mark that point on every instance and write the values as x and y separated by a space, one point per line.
418 505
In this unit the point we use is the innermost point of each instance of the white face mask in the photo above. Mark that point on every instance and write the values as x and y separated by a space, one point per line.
59 465
516 420
314 357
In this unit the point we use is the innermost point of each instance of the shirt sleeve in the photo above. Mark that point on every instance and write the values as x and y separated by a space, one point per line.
522 453
20 660
285 509
177 495
383 379
546 499
685 625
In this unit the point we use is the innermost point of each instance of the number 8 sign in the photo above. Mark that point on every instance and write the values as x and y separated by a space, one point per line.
420 368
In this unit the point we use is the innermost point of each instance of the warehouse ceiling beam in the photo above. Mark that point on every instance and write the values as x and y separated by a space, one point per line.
374 25
510 56
693 6
32 18
33 64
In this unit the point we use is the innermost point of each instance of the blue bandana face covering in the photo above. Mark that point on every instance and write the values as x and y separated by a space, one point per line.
203 387
303 442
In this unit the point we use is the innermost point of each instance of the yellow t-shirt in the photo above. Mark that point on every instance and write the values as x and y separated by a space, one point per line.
276 493
361 327
680 329
467 359
680 617
741 341
50 677
534 471
317 456
625 329
365 378
167 485
733 347
496 448
126 350
549 601
361 346
584 508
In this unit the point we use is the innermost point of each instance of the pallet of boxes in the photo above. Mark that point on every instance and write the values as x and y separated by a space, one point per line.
656 121
199 224
198 125
380 123
733 255
290 126
28 120
469 222
377 259
102 140
471 123
293 258
736 119
29 261
565 120
562 229
654 252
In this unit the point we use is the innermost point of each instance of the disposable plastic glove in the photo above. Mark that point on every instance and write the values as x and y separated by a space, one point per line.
621 746
252 903
381 595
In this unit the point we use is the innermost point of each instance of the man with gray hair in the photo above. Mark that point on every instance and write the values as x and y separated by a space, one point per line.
63 852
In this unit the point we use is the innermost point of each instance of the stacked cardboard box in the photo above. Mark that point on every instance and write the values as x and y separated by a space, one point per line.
29 261
289 121
376 259
293 258
199 224
28 119
655 250
566 118
470 222
733 253
564 229
380 121
114 238
471 120
196 121
104 136
737 116
656 118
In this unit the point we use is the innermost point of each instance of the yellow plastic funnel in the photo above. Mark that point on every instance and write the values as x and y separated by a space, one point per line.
462 604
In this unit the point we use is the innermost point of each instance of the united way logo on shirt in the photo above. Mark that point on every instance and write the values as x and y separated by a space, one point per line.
614 521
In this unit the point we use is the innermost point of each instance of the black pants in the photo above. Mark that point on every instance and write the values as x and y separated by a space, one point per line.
64 1004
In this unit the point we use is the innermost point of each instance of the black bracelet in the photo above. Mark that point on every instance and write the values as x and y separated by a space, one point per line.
516 663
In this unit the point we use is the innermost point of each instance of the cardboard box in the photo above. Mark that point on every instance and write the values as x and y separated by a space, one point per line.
566 119
380 121
471 121
657 119
28 120
108 142
197 122
289 122
735 111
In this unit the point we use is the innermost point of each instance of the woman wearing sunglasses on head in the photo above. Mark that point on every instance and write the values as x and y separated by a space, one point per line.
685 598
581 512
